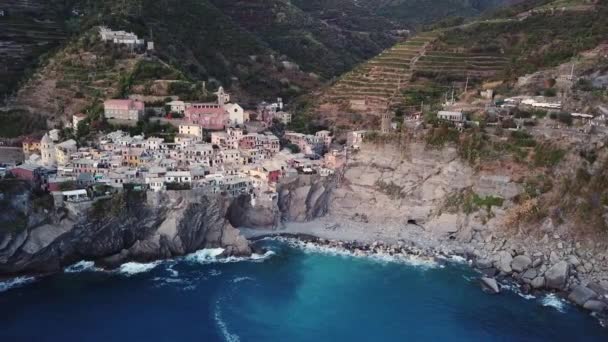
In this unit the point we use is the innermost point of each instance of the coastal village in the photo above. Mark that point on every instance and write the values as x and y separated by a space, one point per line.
398 158
222 148
214 151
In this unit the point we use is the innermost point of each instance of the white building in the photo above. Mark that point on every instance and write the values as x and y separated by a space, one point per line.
178 177
192 130
236 113
77 119
47 151
450 116
119 37
177 106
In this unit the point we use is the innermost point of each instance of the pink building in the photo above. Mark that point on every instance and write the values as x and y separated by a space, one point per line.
207 115
131 110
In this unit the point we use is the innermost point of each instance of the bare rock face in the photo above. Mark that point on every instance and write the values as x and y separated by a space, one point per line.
131 226
243 212
305 198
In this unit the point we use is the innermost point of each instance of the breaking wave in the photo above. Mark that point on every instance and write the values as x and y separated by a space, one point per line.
411 260
207 256
132 268
15 282
552 300
81 266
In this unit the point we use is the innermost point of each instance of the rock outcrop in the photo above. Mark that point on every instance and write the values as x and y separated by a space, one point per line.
139 226
304 198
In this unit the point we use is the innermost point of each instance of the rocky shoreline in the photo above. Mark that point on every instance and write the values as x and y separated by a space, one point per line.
532 276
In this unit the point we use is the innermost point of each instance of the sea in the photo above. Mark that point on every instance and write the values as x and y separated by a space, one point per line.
294 292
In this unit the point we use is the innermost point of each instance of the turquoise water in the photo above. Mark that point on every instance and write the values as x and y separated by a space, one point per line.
293 295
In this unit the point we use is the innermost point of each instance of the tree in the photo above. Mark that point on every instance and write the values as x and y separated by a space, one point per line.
293 148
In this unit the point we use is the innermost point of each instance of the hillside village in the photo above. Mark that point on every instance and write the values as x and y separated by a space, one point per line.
219 148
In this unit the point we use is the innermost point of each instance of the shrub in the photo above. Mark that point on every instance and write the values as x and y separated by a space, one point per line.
547 155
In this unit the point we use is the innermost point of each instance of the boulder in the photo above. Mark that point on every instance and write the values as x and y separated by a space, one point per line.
553 257
581 294
529 274
599 289
573 260
489 272
538 282
595 306
556 276
503 262
483 263
520 263
490 285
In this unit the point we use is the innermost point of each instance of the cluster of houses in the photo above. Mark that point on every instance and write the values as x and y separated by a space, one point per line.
234 162
196 117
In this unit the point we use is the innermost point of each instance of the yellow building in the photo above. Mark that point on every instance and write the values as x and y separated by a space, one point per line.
30 145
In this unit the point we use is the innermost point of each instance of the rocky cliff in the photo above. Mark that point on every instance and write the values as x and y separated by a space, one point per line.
300 199
130 226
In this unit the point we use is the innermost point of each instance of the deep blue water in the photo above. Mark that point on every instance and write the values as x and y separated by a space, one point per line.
294 295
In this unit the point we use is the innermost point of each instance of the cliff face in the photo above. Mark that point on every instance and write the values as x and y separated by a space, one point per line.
132 226
300 199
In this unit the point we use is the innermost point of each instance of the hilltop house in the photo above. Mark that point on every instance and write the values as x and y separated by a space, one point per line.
120 37
450 116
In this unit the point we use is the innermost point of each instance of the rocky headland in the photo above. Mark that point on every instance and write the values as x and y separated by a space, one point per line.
412 201
388 200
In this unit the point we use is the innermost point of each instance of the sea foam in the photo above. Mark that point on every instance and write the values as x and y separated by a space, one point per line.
132 268
81 266
552 300
411 260
228 336
15 282
212 255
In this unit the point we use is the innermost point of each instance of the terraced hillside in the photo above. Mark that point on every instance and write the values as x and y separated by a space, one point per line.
374 85
459 66
28 29
86 70
493 49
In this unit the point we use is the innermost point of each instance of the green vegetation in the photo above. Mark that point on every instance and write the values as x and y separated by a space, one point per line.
16 123
539 41
468 202
390 189
438 137
547 155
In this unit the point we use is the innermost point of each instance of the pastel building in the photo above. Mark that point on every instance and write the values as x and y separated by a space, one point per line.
131 110
207 115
